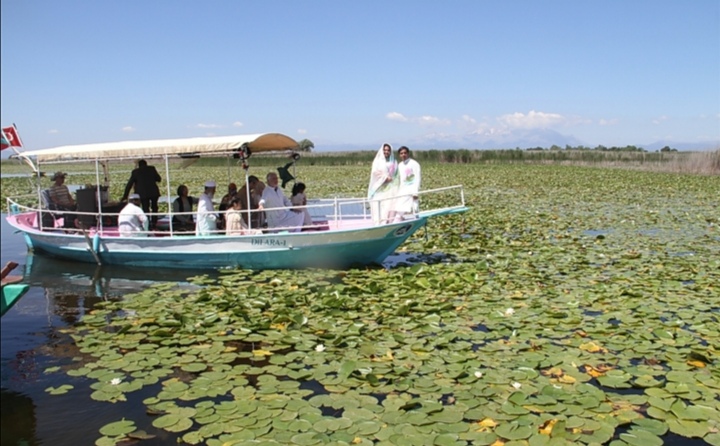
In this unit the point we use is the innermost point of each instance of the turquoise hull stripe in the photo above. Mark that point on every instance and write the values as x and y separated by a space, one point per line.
11 293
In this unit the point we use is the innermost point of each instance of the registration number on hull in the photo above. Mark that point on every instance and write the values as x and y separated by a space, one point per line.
269 242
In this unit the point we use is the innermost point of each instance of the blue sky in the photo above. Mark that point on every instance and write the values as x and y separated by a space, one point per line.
428 74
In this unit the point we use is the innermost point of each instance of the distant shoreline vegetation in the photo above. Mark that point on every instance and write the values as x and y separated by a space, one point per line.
632 157
701 163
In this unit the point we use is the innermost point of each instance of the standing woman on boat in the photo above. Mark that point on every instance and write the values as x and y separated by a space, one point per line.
145 179
206 219
383 185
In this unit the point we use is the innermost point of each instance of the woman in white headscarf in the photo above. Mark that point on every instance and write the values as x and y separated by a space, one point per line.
383 185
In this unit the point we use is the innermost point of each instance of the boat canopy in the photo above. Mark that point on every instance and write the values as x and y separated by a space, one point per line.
185 147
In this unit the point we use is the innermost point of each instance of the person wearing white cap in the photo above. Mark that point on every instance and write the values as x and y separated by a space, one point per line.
132 220
206 218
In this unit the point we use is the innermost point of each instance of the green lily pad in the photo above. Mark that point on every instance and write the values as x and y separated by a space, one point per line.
118 428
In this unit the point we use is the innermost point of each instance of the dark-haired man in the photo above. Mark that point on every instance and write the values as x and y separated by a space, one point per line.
406 204
145 179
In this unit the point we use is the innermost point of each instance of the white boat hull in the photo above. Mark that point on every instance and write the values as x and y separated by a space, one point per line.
337 248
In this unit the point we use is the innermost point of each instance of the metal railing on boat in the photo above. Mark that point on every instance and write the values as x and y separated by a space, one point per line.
326 214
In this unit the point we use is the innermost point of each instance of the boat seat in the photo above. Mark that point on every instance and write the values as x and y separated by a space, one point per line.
46 201
48 218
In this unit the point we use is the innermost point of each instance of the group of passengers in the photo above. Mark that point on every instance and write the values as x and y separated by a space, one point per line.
392 192
268 209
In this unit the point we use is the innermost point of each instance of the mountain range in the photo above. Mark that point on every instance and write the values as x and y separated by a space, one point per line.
524 139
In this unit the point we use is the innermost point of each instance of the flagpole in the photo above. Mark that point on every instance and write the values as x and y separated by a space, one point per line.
18 136
18 153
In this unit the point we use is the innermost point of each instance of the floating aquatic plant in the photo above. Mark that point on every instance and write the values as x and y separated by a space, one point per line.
529 329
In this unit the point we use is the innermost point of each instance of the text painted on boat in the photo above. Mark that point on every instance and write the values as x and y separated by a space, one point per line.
268 242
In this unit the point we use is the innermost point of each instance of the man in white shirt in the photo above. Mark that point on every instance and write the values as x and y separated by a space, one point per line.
406 203
273 197
132 221
206 218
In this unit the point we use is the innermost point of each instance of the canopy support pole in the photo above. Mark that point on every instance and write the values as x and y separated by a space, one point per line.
169 203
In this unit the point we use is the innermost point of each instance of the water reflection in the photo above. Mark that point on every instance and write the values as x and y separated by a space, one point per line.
18 418
34 342
87 279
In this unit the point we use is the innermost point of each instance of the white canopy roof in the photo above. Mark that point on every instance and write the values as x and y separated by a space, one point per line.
215 145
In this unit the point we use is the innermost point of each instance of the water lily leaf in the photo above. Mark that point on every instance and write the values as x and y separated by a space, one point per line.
166 421
694 413
61 390
140 435
346 369
118 428
514 431
653 426
647 381
182 424
306 439
447 415
639 437
615 381
194 437
688 428
599 436
513 409
713 439
106 441
193 367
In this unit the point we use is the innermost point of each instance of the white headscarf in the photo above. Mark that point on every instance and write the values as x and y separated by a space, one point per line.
382 168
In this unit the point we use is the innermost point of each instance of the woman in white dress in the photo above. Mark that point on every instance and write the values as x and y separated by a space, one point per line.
383 185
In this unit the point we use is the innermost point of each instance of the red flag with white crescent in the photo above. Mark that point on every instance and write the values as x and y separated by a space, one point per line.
11 136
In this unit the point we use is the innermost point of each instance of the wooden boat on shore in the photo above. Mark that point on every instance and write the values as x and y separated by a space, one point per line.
343 233
12 290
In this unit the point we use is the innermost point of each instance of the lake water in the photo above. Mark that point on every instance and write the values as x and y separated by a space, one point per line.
32 341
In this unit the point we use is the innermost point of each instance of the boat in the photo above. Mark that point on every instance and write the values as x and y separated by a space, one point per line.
12 290
343 233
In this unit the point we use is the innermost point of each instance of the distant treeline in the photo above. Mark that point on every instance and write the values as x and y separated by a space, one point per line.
669 160
612 155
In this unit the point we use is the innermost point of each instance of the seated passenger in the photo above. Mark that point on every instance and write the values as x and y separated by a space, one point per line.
60 194
62 200
132 220
273 197
256 190
299 199
183 203
225 202
234 224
